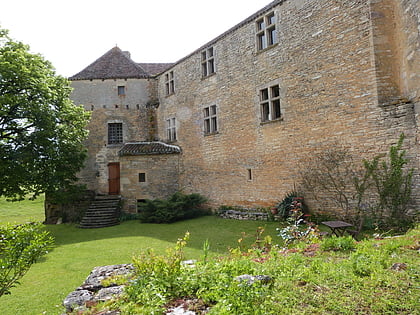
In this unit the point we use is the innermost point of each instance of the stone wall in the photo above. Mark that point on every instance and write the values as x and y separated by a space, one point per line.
325 64
101 98
161 178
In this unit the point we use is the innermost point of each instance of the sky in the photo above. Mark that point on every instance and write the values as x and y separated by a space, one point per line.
71 34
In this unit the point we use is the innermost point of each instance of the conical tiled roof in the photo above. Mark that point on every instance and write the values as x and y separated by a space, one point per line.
115 64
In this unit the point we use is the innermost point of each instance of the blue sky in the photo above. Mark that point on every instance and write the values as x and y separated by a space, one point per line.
73 33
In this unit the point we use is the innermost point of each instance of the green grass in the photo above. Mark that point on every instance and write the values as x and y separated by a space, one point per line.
22 211
77 251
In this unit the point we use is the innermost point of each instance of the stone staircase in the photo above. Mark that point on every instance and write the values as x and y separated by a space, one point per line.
102 212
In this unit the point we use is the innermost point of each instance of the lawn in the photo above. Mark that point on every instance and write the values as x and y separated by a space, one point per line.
77 251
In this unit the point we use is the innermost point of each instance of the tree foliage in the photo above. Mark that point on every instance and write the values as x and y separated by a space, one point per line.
41 130
20 247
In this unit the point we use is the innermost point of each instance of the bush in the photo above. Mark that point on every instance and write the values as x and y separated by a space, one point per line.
345 243
177 207
286 205
20 247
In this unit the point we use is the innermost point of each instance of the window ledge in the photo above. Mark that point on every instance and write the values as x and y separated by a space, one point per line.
267 122
265 49
207 134
170 94
208 76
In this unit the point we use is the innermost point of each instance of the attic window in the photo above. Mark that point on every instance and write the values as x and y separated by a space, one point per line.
121 90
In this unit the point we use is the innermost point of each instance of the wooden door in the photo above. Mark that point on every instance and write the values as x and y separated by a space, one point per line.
114 178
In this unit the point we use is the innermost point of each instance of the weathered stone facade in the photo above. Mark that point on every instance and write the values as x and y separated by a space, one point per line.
344 72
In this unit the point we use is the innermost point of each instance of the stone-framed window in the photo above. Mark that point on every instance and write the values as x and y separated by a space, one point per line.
169 83
115 133
207 62
121 90
210 120
171 129
142 177
266 31
270 103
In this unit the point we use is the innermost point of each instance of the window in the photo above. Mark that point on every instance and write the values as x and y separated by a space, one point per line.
121 90
266 31
270 103
142 177
115 133
210 119
169 83
249 174
171 129
207 62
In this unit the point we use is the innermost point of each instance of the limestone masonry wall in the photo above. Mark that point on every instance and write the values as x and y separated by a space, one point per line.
327 63
347 72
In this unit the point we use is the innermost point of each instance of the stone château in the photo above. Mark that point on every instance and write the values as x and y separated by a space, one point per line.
235 119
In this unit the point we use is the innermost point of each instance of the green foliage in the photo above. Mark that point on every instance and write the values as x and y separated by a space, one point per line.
337 282
285 206
298 229
345 243
177 207
377 191
392 182
20 247
41 131
158 277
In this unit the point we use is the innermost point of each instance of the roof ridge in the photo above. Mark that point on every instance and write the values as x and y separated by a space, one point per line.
114 64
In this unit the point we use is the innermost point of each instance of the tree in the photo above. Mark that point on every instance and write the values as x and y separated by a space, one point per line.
41 130
20 247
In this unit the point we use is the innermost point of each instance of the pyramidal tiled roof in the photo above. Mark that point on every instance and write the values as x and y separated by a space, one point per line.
155 68
117 64
148 148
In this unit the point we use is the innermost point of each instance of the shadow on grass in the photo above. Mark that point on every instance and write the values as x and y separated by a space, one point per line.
221 233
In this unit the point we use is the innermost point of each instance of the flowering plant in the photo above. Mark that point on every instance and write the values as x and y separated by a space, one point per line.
299 228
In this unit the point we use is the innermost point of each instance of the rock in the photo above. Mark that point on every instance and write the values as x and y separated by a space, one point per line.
108 293
399 266
94 281
77 298
92 290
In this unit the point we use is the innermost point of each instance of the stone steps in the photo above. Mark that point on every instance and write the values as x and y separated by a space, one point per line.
102 212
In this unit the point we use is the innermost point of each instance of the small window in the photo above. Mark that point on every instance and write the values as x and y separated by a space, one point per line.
207 62
266 31
169 83
210 119
115 133
171 129
142 177
270 103
249 174
121 90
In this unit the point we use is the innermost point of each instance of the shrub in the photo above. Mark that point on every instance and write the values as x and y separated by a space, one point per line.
298 229
345 243
177 207
20 247
392 182
286 205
